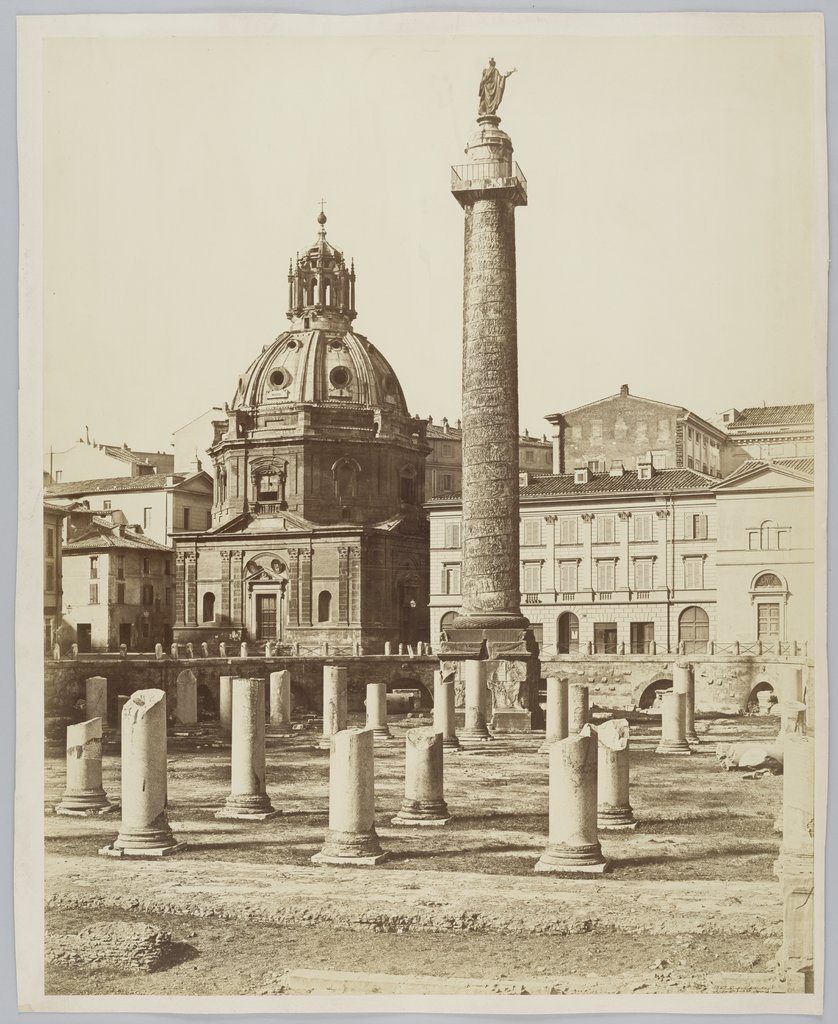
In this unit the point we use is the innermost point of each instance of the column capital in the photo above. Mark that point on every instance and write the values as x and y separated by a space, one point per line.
587 517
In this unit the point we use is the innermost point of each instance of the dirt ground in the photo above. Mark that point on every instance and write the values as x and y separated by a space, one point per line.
690 895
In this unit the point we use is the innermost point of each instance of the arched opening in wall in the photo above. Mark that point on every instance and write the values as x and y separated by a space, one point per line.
327 293
301 699
406 693
761 699
345 472
208 608
207 707
324 606
651 696
694 629
567 634
446 620
312 292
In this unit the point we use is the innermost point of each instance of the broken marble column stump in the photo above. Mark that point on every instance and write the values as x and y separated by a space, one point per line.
186 701
84 795
225 702
377 711
96 698
351 838
444 714
144 830
572 845
334 703
280 702
248 799
556 712
683 681
423 802
477 700
673 724
795 866
614 812
578 708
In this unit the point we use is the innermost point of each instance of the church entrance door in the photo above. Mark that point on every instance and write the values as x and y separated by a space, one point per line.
265 616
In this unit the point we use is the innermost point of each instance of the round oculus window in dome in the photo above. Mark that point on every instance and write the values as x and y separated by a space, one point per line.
292 344
336 344
340 377
279 378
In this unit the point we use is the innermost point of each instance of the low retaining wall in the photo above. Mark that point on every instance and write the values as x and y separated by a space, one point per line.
723 683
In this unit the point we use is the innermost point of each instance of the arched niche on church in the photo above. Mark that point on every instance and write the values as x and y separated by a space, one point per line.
265 581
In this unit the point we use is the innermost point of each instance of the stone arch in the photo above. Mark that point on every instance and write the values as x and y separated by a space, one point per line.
646 696
761 697
403 679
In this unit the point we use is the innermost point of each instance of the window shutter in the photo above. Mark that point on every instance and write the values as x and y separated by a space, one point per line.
702 527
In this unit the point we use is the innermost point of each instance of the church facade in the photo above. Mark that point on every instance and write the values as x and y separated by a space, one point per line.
318 532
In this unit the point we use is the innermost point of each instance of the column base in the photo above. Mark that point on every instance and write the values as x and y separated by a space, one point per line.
148 852
572 860
85 803
382 733
244 807
673 748
450 743
358 848
693 737
422 812
280 729
472 733
615 819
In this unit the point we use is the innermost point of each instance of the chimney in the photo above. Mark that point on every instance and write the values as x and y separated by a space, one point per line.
430 419
445 424
459 424
624 390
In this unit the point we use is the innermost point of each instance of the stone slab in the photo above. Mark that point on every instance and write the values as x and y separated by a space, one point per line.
148 854
362 862
242 816
398 820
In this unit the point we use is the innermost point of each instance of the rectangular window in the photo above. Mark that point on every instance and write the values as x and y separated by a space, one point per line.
768 621
167 567
446 482
168 597
120 567
605 575
451 579
642 635
531 531
643 526
186 511
146 566
643 574
148 594
567 577
146 518
753 540
532 577
693 573
690 463
209 518
596 430
605 529
94 567
696 526
605 638
528 456
58 474
49 577
94 593
120 593
50 542
567 530
783 539
106 505
453 534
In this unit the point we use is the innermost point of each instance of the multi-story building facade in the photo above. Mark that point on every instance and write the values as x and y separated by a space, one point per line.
444 465
86 460
163 505
119 588
318 533
629 560
768 432
53 587
615 431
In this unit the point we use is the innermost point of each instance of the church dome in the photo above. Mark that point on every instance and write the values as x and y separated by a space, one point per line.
319 366
320 359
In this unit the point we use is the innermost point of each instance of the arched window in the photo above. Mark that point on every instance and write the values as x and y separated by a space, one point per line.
327 293
694 629
769 580
221 486
345 472
567 634
324 606
407 486
209 607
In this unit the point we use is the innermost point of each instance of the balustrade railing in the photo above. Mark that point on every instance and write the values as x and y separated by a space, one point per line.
486 174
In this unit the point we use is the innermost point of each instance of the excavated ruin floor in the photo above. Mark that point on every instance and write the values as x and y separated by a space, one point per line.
691 902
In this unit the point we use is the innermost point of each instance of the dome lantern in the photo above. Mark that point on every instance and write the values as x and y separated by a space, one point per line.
321 288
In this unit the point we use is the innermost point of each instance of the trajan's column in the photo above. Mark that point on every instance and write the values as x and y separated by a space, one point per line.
490 624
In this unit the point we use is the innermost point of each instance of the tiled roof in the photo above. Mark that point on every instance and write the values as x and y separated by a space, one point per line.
775 416
663 481
107 485
51 506
97 539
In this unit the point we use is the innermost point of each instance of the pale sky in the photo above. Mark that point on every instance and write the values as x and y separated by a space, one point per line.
668 243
